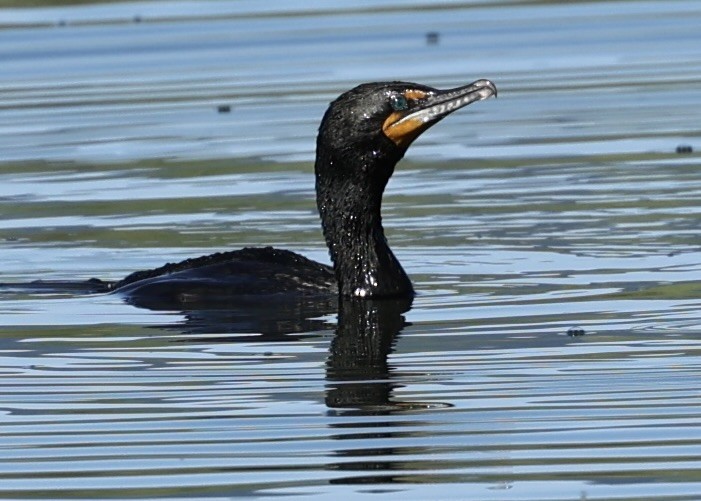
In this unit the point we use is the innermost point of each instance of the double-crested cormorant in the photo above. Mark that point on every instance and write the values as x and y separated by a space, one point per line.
362 136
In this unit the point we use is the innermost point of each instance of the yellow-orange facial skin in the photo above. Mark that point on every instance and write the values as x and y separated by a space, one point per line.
403 132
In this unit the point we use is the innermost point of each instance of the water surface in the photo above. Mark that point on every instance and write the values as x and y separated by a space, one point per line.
561 204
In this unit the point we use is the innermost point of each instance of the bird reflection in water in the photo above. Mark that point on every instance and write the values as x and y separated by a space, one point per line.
358 375
357 370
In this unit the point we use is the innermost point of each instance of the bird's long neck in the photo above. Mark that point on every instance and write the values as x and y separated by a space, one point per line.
365 266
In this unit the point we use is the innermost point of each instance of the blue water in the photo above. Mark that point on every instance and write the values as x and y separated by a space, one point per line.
561 207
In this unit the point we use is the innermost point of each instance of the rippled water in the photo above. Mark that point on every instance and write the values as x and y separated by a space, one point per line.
558 208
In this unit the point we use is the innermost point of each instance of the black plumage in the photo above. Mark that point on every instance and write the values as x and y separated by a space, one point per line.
363 134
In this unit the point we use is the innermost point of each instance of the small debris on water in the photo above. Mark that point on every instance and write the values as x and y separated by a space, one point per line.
575 331
223 108
685 148
432 38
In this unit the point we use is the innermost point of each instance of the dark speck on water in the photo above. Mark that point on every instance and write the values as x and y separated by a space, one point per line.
684 148
223 108
575 331
432 38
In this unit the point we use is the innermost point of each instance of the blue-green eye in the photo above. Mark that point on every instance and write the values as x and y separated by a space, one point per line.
398 102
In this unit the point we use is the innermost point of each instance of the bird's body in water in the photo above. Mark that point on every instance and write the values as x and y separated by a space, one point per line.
363 134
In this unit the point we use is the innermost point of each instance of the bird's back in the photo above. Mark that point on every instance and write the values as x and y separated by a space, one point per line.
223 277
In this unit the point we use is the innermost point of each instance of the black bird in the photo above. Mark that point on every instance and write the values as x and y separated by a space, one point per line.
363 134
